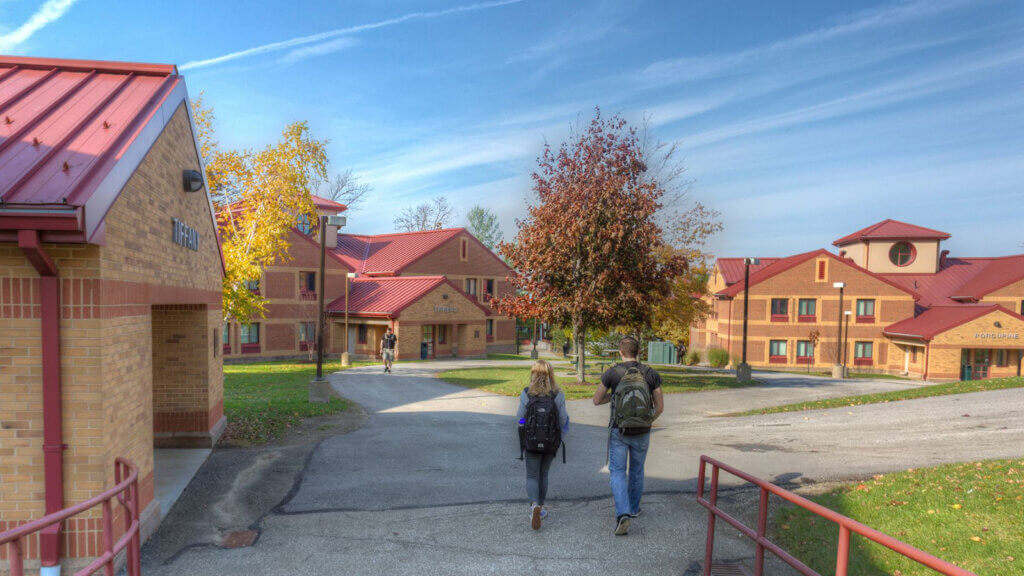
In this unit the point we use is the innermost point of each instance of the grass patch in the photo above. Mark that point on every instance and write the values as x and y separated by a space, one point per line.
263 400
967 514
508 356
962 387
862 375
510 381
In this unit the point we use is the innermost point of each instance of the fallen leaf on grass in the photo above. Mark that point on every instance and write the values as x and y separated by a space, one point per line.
976 538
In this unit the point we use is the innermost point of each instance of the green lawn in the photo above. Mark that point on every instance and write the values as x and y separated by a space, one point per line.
510 381
963 387
968 514
508 356
262 400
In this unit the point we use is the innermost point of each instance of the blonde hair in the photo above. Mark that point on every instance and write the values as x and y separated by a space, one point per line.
542 380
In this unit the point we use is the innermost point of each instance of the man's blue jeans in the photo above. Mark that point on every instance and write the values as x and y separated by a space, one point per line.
627 489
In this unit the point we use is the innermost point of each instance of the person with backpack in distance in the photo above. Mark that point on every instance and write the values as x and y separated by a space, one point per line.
387 348
543 424
634 391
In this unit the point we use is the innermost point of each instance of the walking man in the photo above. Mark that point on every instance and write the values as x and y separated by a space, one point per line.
634 391
387 348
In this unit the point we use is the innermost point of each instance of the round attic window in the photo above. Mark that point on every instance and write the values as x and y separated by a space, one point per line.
902 254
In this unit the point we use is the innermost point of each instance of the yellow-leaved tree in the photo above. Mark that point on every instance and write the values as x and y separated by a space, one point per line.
259 196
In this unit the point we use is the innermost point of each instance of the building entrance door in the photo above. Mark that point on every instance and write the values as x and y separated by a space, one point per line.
982 360
428 339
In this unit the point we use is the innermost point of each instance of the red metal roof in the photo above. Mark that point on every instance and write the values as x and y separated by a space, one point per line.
783 264
388 296
73 131
939 319
732 268
387 254
962 279
326 204
891 230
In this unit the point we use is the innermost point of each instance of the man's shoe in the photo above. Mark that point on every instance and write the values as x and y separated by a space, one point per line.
535 517
622 528
637 513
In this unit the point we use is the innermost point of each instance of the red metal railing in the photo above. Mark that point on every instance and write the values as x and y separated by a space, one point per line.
760 538
126 491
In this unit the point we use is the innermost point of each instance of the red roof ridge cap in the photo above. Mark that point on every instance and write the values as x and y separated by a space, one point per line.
101 66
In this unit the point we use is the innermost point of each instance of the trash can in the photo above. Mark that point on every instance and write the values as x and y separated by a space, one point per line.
661 353
424 350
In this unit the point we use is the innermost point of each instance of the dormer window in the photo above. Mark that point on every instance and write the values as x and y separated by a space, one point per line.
902 254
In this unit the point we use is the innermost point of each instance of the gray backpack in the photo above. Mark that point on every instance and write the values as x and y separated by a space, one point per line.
633 406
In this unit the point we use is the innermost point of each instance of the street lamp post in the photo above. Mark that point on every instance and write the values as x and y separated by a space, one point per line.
743 370
837 368
318 390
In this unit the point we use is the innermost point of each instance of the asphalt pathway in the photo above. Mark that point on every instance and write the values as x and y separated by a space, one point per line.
432 484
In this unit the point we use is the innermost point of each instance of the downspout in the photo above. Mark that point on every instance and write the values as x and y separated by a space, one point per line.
53 434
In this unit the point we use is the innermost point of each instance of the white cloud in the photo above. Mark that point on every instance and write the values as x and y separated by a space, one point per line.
323 36
49 12
321 49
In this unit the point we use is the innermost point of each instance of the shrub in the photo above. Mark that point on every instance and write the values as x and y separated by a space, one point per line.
693 358
718 357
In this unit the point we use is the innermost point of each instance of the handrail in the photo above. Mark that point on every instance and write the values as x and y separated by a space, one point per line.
126 492
759 536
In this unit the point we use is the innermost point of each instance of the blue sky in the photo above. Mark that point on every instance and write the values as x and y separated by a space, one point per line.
799 121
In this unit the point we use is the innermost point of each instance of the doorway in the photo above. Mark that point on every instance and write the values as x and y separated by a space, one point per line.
428 339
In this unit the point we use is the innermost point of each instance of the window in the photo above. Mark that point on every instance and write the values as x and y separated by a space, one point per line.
777 351
253 285
490 330
821 270
1022 306
471 287
361 333
780 309
307 335
307 282
865 311
303 225
807 309
249 336
863 352
804 352
488 289
442 334
902 254
464 250
1002 358
226 338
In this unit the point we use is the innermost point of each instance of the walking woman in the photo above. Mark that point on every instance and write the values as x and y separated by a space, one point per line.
543 424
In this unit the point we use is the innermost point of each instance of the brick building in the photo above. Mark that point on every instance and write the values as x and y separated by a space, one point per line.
443 313
909 308
110 288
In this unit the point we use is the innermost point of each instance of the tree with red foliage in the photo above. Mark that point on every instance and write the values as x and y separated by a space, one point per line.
589 253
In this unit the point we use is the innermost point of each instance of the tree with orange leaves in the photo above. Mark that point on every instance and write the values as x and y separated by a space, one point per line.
589 253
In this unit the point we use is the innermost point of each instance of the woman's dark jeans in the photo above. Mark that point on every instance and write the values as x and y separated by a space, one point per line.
537 466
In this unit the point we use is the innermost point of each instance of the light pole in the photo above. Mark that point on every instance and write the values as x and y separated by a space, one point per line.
345 360
743 370
318 391
837 368
846 336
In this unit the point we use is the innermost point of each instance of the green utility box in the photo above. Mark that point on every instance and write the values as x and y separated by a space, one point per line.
661 353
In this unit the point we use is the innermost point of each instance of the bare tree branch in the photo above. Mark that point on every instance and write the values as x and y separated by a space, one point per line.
433 215
346 188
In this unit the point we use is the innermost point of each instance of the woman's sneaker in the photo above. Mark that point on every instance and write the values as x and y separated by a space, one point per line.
535 516
543 512
622 527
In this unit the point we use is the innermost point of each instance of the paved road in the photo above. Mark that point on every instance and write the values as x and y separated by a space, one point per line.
431 483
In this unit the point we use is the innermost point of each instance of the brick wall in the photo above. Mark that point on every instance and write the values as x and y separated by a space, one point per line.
106 338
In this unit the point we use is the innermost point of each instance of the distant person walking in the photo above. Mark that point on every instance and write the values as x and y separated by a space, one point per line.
634 391
387 348
543 424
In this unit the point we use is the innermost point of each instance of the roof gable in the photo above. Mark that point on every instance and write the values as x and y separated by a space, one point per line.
389 254
892 230
939 319
73 132
784 264
963 279
732 269
388 296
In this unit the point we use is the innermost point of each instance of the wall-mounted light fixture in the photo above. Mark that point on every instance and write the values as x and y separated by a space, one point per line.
998 325
192 180
338 221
